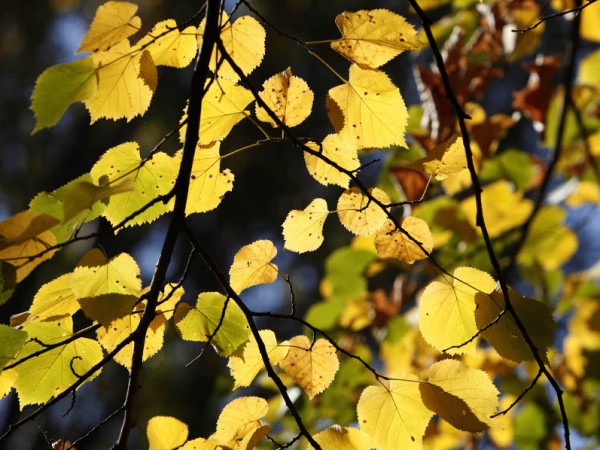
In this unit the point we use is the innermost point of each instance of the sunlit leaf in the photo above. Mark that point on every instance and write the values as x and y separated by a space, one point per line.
208 184
244 368
337 151
447 309
463 396
313 367
303 229
240 417
288 96
368 110
58 87
252 265
166 433
11 342
168 46
446 159
504 335
393 243
345 438
54 300
359 214
372 38
113 22
395 416
199 322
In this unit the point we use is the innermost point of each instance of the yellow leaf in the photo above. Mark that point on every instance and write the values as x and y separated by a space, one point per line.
288 96
372 38
339 152
47 375
244 41
503 209
303 229
368 110
446 159
147 180
168 46
359 214
252 438
504 335
166 433
82 196
113 22
208 185
590 18
11 342
198 323
201 444
24 235
245 368
394 417
7 381
54 300
464 397
313 367
252 265
447 309
122 92
390 242
240 417
148 72
120 275
586 192
346 438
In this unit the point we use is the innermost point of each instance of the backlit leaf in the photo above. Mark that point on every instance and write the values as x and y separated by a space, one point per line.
339 152
503 209
244 41
197 323
394 417
240 417
446 159
120 275
58 87
166 433
54 300
313 367
148 180
373 114
168 46
23 236
359 214
303 229
208 184
342 438
113 22
393 243
122 92
464 397
244 368
11 341
82 196
252 265
447 309
47 375
288 96
201 444
372 38
504 335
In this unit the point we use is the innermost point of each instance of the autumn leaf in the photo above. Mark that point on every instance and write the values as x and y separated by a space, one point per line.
60 86
168 46
113 22
395 416
148 180
390 242
504 335
368 110
447 309
446 159
54 301
372 38
359 214
240 417
166 433
11 342
198 323
252 265
340 153
208 184
244 368
288 96
342 438
464 397
303 229
313 367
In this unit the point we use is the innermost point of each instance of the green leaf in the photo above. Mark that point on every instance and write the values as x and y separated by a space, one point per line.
345 272
58 87
198 323
530 427
11 341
